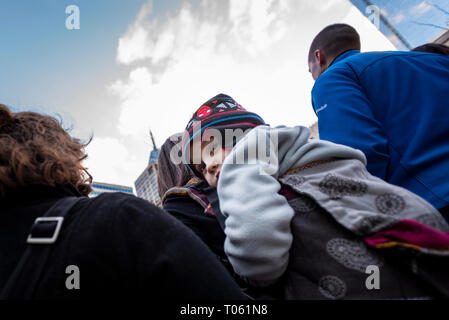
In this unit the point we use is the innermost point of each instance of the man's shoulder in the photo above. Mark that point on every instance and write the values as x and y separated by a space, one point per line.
114 205
360 62
356 64
109 217
114 200
376 63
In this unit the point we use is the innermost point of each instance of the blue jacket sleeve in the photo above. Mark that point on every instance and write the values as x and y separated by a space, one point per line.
345 116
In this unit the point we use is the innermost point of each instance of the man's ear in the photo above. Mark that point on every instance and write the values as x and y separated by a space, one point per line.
319 56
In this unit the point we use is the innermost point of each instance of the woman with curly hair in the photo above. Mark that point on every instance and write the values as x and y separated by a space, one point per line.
120 245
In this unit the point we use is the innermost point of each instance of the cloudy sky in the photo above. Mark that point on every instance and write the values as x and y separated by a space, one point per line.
139 65
416 21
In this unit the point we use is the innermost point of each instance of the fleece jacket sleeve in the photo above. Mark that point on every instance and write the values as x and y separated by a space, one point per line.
345 116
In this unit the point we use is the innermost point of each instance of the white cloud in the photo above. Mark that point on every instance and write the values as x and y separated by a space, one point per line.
254 50
420 9
324 6
398 18
109 160
136 97
137 45
223 25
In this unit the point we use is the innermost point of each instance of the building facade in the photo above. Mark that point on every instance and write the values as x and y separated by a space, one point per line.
101 187
146 183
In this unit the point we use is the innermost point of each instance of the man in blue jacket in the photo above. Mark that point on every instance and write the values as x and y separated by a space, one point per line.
394 106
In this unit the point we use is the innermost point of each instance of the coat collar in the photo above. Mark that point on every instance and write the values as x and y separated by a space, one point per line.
344 55
36 194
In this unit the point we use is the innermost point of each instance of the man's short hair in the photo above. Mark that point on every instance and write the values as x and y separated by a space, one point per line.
335 39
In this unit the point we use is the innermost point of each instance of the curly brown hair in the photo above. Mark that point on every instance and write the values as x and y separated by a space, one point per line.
36 150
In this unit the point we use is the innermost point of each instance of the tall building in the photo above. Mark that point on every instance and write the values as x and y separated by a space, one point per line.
409 23
443 39
101 187
146 183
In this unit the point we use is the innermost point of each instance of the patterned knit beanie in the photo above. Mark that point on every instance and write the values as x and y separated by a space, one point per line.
220 113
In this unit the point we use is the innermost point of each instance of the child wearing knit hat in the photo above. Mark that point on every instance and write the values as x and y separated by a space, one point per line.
212 132
316 220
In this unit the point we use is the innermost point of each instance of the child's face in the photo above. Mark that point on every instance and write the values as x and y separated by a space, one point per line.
212 157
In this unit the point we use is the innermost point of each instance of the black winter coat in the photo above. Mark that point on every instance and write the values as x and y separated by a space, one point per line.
123 246
200 211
